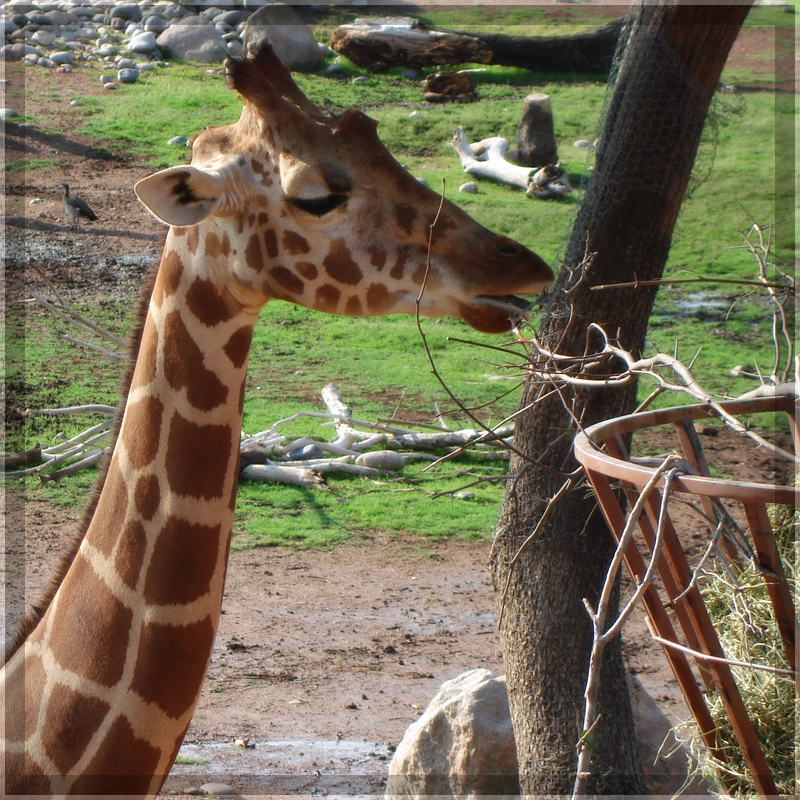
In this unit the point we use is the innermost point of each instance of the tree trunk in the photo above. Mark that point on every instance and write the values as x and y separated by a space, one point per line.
370 45
671 66
536 136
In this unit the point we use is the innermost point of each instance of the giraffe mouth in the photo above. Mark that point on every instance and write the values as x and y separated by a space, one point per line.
510 303
494 313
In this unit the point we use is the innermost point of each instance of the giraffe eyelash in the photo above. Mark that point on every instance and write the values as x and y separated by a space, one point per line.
319 206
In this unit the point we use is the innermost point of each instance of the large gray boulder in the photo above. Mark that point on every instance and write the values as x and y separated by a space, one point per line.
194 39
463 745
291 39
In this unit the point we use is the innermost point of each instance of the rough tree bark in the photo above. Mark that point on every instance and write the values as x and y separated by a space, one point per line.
644 159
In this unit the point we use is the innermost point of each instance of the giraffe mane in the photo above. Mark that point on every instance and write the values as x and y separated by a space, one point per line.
36 610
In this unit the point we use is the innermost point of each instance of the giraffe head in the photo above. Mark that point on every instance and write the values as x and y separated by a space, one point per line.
289 203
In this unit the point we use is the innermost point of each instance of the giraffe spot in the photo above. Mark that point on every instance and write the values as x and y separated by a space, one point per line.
183 562
252 254
295 244
123 763
208 304
238 346
353 307
146 358
193 238
169 670
179 231
147 496
197 457
339 264
70 722
141 430
400 265
184 368
307 270
288 280
419 276
380 300
23 776
263 200
217 247
377 256
91 617
130 553
263 218
327 298
169 276
271 243
405 215
113 503
21 713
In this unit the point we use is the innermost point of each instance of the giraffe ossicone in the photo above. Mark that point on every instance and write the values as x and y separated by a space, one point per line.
287 203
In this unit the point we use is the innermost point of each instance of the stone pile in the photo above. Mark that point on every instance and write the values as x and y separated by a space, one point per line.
128 37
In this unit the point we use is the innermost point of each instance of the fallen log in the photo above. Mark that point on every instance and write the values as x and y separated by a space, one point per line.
380 43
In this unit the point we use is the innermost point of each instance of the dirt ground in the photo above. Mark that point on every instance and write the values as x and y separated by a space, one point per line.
348 644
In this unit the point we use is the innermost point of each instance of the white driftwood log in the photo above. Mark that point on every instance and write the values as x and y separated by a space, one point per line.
487 159
280 474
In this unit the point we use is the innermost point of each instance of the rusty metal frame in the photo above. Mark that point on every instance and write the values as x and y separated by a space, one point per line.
602 452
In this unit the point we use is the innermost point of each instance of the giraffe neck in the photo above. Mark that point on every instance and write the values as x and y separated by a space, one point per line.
127 652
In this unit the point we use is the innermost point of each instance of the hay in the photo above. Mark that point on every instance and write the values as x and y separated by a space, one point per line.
742 615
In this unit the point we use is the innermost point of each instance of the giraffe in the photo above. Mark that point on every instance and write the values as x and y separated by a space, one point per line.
286 203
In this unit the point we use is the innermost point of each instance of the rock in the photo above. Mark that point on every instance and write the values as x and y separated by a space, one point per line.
107 50
75 103
181 140
334 69
583 143
464 495
46 62
382 459
291 39
468 188
307 452
442 87
361 79
218 789
110 85
194 39
7 113
63 57
126 13
125 63
232 18
44 38
143 42
104 79
155 24
128 75
63 17
413 74
65 69
463 744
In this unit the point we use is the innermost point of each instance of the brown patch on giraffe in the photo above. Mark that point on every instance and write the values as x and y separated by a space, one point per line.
184 368
141 431
123 764
183 562
147 358
419 276
70 722
307 270
377 256
24 776
147 496
288 280
90 614
193 238
197 458
339 264
208 304
327 298
130 553
400 265
21 713
406 216
217 247
263 218
352 308
271 243
105 536
295 244
252 254
169 276
238 346
380 300
167 671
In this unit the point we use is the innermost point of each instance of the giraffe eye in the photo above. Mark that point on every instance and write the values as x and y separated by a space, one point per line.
319 206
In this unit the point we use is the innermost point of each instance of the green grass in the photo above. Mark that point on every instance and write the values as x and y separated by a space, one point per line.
380 364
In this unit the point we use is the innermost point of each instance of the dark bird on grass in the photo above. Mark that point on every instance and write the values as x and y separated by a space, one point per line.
76 206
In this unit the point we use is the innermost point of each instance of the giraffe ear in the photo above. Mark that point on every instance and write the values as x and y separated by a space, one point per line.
181 195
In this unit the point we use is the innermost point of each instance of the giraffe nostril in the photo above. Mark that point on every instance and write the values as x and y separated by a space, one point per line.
506 247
